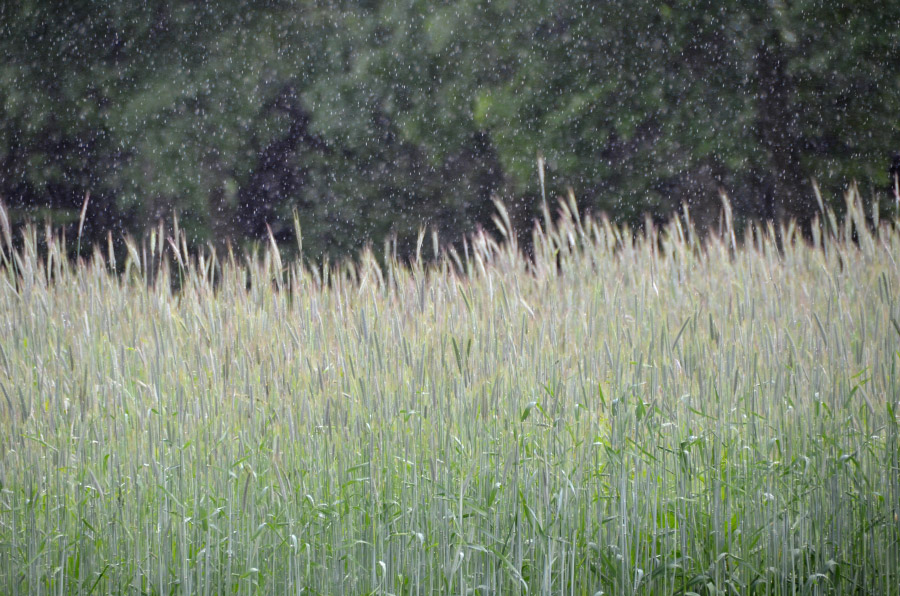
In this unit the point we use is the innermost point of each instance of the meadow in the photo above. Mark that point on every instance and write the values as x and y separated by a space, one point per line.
616 413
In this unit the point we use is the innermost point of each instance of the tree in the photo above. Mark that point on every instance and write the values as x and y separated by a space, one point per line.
375 118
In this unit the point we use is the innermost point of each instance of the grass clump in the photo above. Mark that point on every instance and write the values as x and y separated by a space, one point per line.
618 414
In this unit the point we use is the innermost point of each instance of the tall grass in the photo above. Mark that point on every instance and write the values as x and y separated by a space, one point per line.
619 414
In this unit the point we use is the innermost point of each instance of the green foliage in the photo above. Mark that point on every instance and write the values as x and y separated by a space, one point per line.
377 118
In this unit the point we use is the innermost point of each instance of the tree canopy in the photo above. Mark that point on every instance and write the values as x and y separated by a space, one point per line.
375 118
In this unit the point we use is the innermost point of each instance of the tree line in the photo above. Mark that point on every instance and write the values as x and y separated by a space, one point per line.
372 118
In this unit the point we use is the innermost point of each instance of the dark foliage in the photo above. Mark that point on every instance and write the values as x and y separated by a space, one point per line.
374 119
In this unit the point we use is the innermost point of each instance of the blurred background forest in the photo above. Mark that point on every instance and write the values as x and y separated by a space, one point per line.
375 117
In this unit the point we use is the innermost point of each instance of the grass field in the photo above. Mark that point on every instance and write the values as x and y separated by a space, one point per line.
613 416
